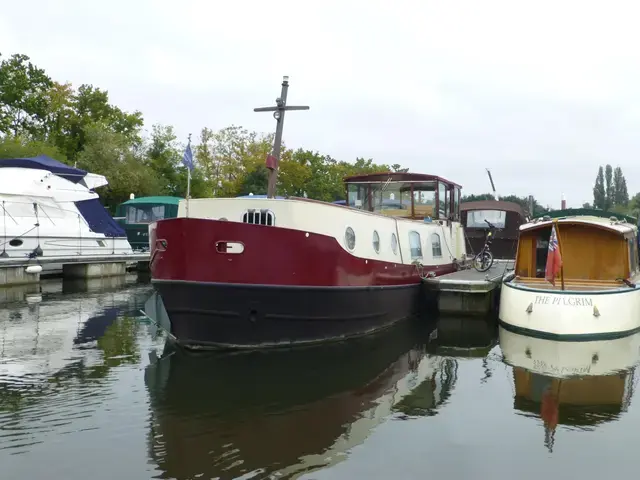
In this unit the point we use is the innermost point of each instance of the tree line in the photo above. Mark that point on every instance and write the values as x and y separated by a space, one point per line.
81 127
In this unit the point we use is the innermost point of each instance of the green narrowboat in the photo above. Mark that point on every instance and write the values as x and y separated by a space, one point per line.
136 214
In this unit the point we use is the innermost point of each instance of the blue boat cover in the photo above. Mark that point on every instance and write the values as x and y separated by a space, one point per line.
99 219
44 162
95 327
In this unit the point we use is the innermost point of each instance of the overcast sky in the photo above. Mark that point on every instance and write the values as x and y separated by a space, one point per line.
541 92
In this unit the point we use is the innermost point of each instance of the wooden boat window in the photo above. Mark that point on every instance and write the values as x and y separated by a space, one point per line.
633 254
357 196
436 247
415 245
393 199
443 206
456 204
259 217
424 199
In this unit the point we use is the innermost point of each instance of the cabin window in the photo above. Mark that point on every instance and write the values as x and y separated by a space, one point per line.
633 254
394 243
392 199
376 241
259 217
414 245
456 203
22 208
144 213
357 196
424 199
350 238
436 248
476 218
443 209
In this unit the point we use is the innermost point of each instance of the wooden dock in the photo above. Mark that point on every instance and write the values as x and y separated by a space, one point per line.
19 271
467 292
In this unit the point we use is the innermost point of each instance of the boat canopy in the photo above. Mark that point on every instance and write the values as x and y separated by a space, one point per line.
43 162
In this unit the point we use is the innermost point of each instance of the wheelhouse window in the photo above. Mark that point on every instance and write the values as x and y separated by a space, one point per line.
424 199
357 196
144 213
456 203
436 248
443 206
391 199
414 245
476 218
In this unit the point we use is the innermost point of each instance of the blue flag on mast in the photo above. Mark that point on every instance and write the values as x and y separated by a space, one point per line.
187 159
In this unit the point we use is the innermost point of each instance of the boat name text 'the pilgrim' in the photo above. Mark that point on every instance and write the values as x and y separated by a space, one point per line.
563 300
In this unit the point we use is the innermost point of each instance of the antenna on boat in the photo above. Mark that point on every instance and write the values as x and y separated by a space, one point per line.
273 159
492 185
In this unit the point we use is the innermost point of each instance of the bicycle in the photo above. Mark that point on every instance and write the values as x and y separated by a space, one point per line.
483 261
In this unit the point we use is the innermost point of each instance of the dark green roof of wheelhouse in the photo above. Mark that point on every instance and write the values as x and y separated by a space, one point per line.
154 199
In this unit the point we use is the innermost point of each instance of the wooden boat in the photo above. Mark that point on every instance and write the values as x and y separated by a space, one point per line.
506 216
593 295
136 214
576 384
264 272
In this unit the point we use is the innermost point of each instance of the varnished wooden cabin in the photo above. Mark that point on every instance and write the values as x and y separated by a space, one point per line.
596 251
506 216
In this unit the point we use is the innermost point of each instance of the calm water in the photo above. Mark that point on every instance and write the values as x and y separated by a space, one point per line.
90 389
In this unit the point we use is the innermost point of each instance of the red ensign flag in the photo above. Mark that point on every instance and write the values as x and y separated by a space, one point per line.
554 259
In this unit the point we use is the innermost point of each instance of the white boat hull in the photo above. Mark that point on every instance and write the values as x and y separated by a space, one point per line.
53 246
570 315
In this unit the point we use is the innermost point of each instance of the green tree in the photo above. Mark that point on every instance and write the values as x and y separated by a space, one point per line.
20 147
87 107
23 97
599 191
110 154
620 194
477 198
164 155
609 191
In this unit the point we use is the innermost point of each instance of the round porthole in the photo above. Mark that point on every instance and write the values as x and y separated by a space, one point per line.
394 243
350 238
376 241
16 242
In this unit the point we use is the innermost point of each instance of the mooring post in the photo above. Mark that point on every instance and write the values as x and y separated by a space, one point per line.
273 160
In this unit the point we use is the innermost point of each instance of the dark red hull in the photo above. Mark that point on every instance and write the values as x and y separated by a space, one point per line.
284 288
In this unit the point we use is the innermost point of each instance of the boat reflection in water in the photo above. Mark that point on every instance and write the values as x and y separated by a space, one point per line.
223 415
576 384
